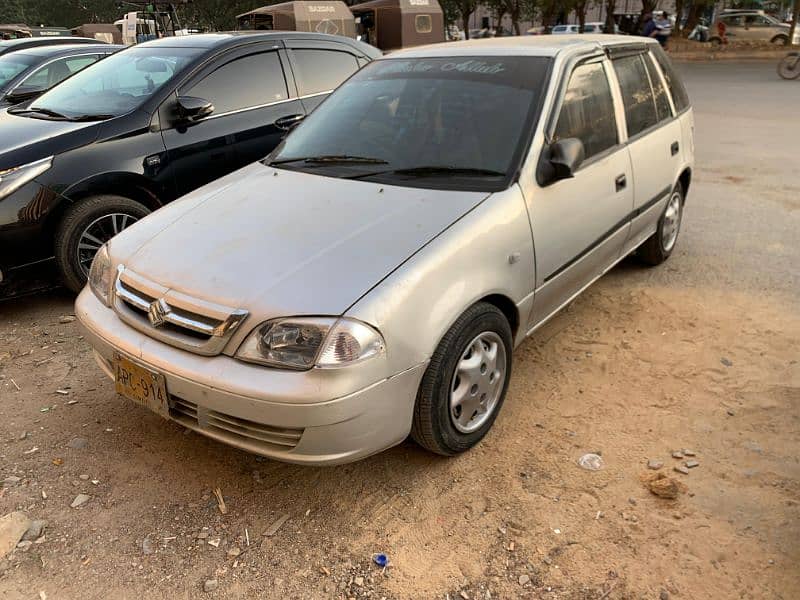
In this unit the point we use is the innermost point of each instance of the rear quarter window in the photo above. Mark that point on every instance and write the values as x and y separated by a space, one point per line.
679 96
322 70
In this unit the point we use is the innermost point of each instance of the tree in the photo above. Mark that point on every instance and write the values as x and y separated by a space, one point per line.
580 7
459 9
611 6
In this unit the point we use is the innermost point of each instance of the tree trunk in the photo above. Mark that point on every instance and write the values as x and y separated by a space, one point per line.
694 16
580 12
610 22
678 32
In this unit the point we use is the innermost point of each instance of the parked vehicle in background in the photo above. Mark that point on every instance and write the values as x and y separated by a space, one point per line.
26 74
146 125
103 32
25 43
371 277
564 29
592 27
331 17
393 24
751 25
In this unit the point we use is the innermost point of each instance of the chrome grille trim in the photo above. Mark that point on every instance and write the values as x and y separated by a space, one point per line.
232 428
191 324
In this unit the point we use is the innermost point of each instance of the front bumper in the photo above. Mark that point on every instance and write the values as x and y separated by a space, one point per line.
256 408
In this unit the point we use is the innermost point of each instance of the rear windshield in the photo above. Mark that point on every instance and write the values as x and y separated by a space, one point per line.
418 118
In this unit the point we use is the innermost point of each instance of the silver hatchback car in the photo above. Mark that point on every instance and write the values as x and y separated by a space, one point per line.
371 277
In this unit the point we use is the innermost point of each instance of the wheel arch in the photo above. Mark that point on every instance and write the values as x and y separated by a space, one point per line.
506 306
685 179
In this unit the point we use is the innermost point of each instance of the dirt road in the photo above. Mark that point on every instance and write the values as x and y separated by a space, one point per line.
700 354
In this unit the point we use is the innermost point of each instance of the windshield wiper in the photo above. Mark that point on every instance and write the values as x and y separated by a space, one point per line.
100 117
36 109
435 171
333 159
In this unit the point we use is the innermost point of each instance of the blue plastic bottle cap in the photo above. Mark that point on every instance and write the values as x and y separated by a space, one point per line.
381 560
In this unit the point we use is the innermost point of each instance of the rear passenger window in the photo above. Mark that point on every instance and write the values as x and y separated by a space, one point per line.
637 95
243 83
322 70
679 97
587 112
659 93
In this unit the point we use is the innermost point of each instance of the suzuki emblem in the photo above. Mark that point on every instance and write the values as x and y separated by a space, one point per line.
158 311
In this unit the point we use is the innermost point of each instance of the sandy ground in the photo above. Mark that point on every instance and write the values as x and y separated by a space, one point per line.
699 354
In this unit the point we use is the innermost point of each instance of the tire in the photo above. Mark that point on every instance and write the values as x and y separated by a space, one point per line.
449 431
659 246
780 40
789 67
101 217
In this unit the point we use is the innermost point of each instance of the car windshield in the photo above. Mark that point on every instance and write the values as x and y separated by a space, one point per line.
441 122
12 64
115 85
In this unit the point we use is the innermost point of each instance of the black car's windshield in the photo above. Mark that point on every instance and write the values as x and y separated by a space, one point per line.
116 85
437 122
12 64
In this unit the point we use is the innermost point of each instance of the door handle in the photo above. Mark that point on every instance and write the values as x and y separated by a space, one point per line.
289 121
674 148
620 182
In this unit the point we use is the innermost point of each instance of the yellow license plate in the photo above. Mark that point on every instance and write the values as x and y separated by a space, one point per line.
143 386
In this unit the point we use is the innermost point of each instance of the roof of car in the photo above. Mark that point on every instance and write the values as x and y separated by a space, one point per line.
56 49
232 38
22 42
534 45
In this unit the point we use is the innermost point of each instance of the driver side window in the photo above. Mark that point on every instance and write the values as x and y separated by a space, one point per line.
587 112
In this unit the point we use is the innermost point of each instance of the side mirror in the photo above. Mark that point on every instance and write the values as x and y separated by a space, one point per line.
24 92
193 109
560 160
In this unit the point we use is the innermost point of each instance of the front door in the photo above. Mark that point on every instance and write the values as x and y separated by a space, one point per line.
252 113
579 224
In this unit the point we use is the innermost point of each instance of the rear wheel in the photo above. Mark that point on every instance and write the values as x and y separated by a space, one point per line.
88 225
789 67
465 383
659 246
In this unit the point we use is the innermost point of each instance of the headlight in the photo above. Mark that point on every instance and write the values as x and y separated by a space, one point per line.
13 179
305 342
100 275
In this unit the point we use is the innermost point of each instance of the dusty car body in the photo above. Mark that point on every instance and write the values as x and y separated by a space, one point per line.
318 309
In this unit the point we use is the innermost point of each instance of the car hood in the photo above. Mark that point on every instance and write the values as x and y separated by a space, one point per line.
26 139
283 243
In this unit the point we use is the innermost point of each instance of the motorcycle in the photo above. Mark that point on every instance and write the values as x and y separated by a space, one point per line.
789 67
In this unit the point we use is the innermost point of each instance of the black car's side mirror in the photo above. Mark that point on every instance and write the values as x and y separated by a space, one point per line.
23 93
191 109
560 160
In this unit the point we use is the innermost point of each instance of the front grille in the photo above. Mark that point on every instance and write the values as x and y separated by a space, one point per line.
232 428
173 317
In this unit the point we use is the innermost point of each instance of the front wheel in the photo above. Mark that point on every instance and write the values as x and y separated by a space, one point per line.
86 226
789 67
465 383
780 40
659 246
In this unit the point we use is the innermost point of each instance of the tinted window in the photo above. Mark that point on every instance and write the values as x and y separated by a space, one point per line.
250 81
322 70
637 96
675 85
587 112
659 93
12 64
464 113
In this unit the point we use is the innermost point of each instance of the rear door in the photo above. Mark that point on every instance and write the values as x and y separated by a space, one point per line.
252 102
654 139
320 67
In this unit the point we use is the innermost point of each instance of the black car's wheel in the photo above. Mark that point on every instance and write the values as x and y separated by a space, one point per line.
659 246
85 227
465 383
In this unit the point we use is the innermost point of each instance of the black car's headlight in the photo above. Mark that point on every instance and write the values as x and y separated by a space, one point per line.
13 179
306 342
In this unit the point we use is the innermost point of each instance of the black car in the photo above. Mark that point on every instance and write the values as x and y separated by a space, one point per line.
147 125
28 73
32 42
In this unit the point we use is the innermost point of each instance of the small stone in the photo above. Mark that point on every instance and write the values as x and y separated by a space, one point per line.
234 552
547 560
147 546
209 585
463 595
677 454
681 469
691 464
78 443
726 362
523 579
663 486
730 412
11 480
79 500
35 530
12 527
359 581
654 464
62 392
24 545
687 452
664 595
23 435
66 319
83 477
632 501
215 542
